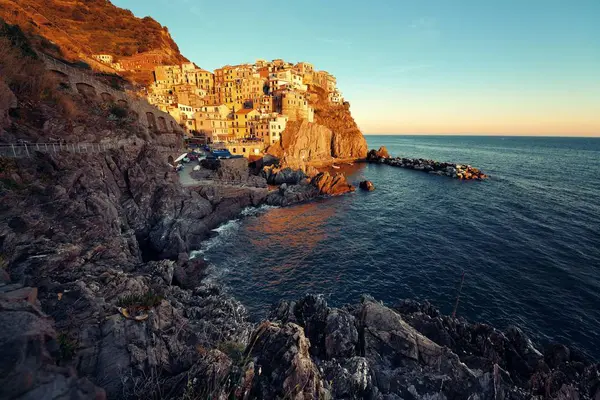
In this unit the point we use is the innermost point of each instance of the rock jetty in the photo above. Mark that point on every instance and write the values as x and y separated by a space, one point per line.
452 170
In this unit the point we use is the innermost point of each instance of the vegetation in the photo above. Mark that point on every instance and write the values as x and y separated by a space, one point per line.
140 301
67 347
235 350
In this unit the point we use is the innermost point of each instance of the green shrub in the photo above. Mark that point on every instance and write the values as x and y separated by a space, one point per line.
67 347
147 300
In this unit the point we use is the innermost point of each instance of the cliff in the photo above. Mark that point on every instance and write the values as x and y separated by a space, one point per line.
75 30
347 139
333 135
43 100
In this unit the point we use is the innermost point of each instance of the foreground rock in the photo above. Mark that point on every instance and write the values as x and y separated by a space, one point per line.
372 351
88 232
367 185
452 170
28 344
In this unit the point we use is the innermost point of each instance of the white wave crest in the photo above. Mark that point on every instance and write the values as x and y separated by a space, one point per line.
250 211
224 232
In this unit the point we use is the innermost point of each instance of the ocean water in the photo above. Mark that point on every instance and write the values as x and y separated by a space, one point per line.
527 239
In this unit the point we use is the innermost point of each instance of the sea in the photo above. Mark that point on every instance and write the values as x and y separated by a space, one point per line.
527 240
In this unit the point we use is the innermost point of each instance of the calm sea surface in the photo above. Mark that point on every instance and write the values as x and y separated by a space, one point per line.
528 239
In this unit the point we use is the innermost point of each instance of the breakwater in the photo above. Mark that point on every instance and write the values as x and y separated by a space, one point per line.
452 170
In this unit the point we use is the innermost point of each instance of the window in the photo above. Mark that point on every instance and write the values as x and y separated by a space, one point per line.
243 149
234 150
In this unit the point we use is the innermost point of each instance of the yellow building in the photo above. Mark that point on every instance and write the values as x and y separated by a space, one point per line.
251 149
240 122
213 123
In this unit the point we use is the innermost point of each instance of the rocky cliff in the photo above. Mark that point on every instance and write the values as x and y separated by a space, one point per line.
75 30
333 135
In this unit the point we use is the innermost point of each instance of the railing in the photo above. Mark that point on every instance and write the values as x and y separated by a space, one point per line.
21 150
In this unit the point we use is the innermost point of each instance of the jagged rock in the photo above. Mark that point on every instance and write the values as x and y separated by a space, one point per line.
281 354
367 185
303 141
28 344
279 176
190 274
236 170
341 335
350 378
331 185
335 136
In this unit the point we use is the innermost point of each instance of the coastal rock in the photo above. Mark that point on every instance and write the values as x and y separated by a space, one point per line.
279 176
331 185
280 353
336 136
304 141
376 155
347 140
28 343
367 185
432 167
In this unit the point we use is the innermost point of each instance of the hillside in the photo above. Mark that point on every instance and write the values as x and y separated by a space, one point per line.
78 29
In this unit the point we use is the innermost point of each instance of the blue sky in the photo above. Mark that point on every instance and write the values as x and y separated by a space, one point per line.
416 66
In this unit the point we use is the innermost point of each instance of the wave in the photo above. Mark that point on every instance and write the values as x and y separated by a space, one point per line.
223 233
252 211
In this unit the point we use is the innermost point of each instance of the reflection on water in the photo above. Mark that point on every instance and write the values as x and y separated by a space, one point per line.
296 232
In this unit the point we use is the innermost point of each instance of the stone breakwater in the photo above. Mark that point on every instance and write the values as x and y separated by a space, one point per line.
452 170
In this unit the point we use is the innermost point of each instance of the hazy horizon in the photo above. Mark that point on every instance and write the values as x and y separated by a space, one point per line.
507 68
540 135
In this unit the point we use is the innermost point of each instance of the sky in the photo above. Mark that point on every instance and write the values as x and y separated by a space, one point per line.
507 67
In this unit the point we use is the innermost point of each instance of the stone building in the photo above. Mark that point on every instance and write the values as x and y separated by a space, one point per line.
293 104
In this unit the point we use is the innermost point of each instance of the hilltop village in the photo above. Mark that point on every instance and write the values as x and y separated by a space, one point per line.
245 107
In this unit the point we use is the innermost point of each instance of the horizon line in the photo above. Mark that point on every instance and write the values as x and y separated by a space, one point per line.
590 136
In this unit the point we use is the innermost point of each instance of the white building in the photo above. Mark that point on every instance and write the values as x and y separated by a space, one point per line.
104 58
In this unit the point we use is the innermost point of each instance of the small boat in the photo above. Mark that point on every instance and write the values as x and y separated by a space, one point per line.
334 166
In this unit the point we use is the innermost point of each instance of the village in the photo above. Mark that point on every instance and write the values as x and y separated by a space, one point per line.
242 108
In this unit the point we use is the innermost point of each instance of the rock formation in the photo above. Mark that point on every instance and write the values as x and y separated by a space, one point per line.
375 155
333 135
367 185
347 140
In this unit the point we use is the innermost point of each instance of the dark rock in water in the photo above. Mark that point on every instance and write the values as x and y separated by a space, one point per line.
557 354
375 155
331 185
367 185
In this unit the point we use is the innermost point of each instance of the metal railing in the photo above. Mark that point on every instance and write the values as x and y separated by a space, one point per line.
21 150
